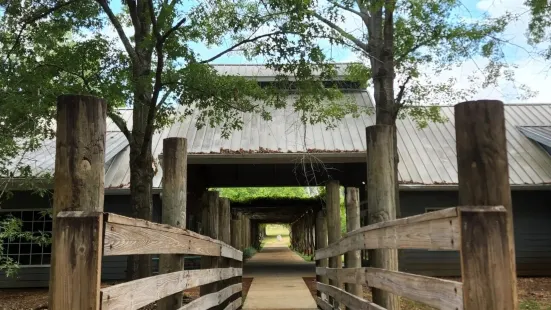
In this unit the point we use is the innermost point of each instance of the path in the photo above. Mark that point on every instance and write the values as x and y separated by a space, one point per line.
277 280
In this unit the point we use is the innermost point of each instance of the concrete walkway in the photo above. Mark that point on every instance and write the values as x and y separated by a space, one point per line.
277 280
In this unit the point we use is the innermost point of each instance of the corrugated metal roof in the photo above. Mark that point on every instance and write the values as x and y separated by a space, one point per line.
540 134
427 156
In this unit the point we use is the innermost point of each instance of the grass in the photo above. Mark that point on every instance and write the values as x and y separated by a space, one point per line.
272 231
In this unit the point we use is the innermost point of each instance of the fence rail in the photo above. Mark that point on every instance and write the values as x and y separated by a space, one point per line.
478 233
112 234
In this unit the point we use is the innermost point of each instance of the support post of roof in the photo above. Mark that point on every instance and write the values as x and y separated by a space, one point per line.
173 208
352 259
483 173
235 230
75 271
381 199
224 219
211 229
334 226
321 242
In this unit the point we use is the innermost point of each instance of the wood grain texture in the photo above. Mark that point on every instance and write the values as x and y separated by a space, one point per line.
211 228
322 304
79 164
321 242
333 218
214 299
436 234
224 218
234 305
482 163
347 299
438 293
125 235
352 259
174 208
78 249
486 269
381 200
138 293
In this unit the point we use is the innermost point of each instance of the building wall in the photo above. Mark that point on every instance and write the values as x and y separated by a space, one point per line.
113 267
532 214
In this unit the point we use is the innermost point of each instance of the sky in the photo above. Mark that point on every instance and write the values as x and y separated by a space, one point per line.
530 70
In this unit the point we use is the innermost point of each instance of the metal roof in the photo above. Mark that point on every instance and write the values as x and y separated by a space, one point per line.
540 134
263 74
427 156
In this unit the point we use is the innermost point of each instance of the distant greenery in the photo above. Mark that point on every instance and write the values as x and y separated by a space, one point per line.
249 252
244 194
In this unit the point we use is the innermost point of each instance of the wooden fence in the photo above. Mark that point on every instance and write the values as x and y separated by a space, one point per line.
82 238
479 234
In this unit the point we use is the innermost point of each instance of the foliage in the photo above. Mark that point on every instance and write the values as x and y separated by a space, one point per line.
11 230
249 252
245 194
539 28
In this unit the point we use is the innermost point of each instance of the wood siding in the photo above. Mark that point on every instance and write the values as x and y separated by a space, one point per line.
532 211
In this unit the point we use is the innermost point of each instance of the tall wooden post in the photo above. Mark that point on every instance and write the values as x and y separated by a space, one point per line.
78 186
174 208
236 243
483 172
321 242
224 234
210 229
333 218
382 201
352 259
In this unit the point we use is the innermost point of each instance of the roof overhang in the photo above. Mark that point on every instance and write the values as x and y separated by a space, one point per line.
274 158
540 134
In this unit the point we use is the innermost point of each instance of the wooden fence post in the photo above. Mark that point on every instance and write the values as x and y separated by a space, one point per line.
236 243
352 259
321 242
382 201
210 229
174 208
224 234
483 173
334 225
78 186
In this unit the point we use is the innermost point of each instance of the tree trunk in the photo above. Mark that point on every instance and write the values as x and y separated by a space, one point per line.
141 183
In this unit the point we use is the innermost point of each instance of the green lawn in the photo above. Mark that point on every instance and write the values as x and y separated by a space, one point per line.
272 231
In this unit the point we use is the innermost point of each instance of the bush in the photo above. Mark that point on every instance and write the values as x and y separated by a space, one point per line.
249 252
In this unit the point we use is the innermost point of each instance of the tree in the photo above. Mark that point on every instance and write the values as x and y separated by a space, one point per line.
539 25
148 63
404 44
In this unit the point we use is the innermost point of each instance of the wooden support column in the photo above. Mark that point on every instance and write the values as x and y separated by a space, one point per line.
382 201
224 234
321 242
334 225
75 271
210 229
489 275
236 243
174 208
352 259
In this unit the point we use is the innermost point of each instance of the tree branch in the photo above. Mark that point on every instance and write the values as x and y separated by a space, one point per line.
402 91
341 31
239 44
360 14
120 31
120 122
174 28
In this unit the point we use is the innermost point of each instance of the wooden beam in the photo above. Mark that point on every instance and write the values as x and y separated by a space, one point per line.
352 259
224 235
347 299
424 232
333 218
214 299
138 293
321 242
77 235
236 243
437 293
78 186
381 188
234 305
483 173
486 267
323 305
211 229
174 208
